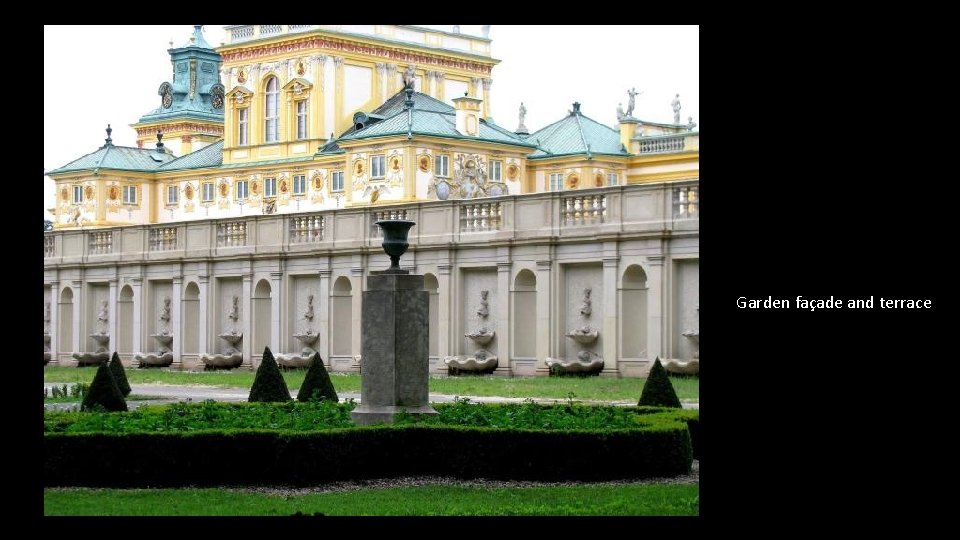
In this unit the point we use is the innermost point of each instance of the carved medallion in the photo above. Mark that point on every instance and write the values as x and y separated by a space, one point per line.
224 189
300 68
424 163
283 186
513 171
395 164
254 187
242 76
572 181
65 194
317 183
358 168
188 192
599 180
114 193
88 192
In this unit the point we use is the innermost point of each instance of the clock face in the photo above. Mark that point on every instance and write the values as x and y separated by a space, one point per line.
167 100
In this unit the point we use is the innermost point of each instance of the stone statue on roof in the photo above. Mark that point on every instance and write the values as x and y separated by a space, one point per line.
410 76
632 100
676 109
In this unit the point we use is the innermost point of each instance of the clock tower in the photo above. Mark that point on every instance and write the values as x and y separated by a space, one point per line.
190 112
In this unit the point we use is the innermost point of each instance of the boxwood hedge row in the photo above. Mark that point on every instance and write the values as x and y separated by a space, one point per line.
284 457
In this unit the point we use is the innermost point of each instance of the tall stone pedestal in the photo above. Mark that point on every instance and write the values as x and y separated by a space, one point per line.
395 348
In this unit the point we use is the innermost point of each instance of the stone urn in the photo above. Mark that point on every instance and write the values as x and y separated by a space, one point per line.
395 244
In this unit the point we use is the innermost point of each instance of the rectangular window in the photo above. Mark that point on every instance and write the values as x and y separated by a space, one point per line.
242 127
612 179
377 169
496 171
208 191
441 166
302 119
77 194
173 193
272 122
129 194
556 182
336 183
242 189
299 184
270 187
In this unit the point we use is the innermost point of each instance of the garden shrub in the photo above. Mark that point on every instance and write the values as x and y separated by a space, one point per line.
317 384
119 375
103 392
658 391
268 384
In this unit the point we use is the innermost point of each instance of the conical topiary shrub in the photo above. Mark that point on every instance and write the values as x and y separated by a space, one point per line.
103 391
268 385
657 391
317 380
119 375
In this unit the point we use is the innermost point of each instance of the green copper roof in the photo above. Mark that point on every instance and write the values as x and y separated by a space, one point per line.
576 134
208 156
430 117
118 157
196 86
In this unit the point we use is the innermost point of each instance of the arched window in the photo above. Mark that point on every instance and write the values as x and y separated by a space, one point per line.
272 111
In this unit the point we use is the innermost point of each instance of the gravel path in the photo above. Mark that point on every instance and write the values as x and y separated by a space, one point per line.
417 481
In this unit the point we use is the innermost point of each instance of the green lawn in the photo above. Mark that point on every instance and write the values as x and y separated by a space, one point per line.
436 500
599 388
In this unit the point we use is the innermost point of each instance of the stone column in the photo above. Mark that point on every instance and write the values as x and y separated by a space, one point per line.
544 319
137 286
55 323
443 317
176 321
609 326
324 312
486 98
316 107
255 125
356 301
381 81
654 308
247 303
391 79
79 343
338 94
114 316
474 87
204 312
276 284
395 348
440 86
503 320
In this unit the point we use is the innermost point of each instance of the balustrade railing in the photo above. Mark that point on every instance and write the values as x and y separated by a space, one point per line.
662 144
479 217
101 242
306 228
686 202
583 209
49 243
163 238
232 233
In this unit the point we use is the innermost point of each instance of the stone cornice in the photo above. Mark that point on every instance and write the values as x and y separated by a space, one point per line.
422 59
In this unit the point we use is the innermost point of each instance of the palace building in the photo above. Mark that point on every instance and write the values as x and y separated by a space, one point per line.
245 217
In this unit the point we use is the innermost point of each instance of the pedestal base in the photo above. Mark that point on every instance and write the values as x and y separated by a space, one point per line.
384 414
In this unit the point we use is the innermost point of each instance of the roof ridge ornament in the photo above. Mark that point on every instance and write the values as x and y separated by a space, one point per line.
109 140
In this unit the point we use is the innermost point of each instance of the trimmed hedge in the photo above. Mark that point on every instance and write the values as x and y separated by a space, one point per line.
658 390
268 384
119 375
661 447
317 380
103 392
